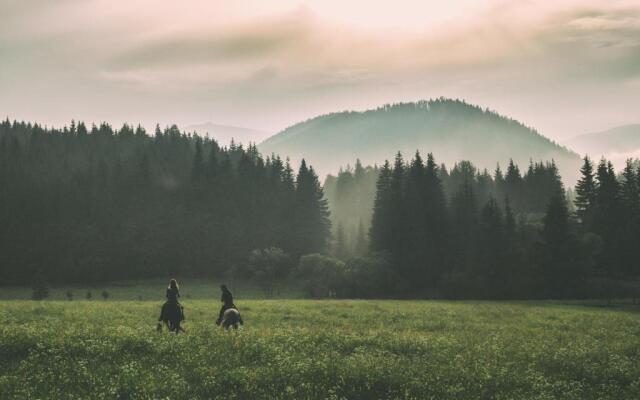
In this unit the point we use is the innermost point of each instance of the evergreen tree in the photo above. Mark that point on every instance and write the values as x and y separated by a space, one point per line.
513 185
397 227
211 168
82 130
630 229
88 196
313 227
198 168
630 189
413 225
379 239
499 183
586 194
608 219
509 220
464 224
558 263
484 187
436 224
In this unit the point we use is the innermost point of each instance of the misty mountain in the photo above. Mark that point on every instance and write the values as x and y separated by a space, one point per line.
224 133
452 130
616 143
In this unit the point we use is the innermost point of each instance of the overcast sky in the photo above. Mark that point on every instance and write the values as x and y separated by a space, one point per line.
564 67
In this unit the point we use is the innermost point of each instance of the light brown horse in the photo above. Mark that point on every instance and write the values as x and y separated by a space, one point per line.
231 318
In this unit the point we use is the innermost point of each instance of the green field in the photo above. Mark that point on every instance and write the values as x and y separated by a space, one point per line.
301 349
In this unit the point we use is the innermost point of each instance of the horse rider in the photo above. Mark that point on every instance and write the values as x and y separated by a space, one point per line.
172 294
227 302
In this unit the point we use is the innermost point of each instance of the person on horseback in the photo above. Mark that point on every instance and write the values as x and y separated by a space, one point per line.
227 303
172 294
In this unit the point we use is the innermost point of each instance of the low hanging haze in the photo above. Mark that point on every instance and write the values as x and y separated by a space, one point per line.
564 67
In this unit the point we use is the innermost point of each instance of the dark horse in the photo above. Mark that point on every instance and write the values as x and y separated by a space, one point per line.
231 318
172 315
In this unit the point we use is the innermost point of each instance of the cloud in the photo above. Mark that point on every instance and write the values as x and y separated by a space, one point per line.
269 65
246 43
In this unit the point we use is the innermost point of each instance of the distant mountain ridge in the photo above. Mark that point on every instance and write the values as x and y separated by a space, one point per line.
452 130
617 143
224 133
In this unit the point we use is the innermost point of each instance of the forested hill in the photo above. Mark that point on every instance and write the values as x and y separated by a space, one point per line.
452 129
79 204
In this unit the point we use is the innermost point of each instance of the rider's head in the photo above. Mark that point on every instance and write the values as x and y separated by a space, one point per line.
223 287
173 284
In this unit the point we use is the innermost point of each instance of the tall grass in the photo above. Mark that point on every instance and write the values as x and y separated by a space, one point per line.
320 349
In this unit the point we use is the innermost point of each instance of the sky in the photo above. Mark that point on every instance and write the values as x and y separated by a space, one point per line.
564 67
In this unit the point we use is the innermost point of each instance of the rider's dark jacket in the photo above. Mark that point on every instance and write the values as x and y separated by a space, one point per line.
227 302
172 300
227 298
173 295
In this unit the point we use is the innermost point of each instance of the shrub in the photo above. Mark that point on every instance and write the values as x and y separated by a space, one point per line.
321 276
105 294
69 295
370 276
268 267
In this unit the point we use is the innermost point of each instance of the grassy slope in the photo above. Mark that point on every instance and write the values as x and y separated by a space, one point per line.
320 349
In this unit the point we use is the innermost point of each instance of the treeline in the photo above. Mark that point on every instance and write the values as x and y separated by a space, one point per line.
352 192
469 242
92 204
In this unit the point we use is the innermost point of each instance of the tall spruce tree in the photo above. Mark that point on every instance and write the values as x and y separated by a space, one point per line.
397 228
513 185
608 219
379 238
586 194
436 224
499 183
558 262
630 230
414 221
313 227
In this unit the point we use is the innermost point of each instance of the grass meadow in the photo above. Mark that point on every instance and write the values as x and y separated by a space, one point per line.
305 349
